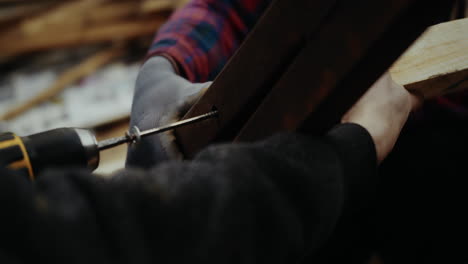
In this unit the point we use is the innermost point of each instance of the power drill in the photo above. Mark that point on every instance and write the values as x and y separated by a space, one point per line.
68 147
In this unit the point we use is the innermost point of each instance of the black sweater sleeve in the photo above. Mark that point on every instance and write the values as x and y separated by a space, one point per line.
267 202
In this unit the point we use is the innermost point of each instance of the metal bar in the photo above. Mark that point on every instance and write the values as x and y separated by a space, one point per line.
130 137
338 58
263 58
112 142
179 124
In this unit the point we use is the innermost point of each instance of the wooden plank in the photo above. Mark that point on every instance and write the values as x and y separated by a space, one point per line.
99 21
13 46
130 9
152 6
14 13
437 63
63 18
112 11
335 66
25 2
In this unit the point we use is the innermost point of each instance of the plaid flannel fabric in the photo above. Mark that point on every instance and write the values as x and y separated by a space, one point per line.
204 34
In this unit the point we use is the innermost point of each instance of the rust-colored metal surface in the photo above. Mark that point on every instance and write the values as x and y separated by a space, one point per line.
250 74
409 25
353 48
304 64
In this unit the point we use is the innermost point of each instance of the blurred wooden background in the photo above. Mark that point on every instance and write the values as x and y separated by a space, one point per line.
82 36
39 25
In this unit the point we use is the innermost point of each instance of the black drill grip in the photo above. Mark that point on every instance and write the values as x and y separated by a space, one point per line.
62 148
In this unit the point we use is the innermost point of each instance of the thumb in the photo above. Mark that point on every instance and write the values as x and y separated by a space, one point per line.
191 97
416 100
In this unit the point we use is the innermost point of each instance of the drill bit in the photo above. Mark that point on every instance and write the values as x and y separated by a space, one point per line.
134 134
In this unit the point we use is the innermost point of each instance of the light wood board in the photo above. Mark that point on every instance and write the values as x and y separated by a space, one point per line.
437 63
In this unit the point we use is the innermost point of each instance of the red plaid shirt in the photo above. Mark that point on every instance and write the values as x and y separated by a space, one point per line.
200 38
204 34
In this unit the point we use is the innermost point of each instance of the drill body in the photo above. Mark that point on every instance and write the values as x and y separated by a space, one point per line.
57 148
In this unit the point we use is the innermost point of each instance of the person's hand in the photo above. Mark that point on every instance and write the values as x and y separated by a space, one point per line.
383 111
161 97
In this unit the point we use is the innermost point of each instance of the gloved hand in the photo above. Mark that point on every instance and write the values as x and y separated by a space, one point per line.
161 97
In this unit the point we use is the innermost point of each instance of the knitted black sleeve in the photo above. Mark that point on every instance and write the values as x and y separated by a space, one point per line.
267 202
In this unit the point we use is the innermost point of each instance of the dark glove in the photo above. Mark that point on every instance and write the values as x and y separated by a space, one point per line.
161 97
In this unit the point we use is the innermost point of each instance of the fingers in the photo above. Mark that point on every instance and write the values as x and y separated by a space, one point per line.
161 97
189 99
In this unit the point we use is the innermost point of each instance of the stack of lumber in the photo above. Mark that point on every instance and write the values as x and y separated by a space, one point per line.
37 25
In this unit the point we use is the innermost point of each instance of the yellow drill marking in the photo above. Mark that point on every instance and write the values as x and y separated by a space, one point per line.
8 143
26 162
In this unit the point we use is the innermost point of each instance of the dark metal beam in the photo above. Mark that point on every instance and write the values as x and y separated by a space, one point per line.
304 64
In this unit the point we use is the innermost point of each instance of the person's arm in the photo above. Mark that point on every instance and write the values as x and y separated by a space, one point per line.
268 202
383 110
200 37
